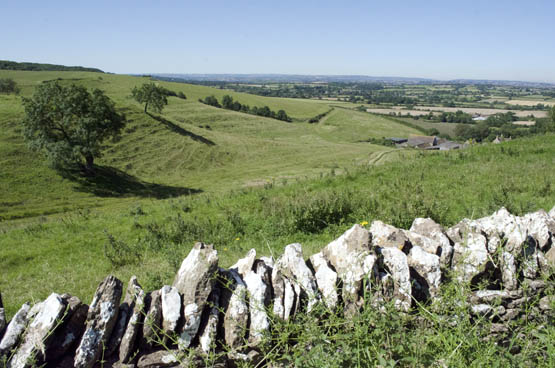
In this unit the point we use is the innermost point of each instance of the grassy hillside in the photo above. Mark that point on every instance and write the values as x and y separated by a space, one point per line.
72 253
190 148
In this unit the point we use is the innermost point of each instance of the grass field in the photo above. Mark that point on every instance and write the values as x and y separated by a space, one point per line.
70 252
443 128
191 147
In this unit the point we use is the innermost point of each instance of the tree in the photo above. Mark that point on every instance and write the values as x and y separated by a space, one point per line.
151 94
227 102
69 123
212 101
282 115
8 85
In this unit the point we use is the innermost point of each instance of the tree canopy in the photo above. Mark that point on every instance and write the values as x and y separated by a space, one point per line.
8 85
69 124
151 94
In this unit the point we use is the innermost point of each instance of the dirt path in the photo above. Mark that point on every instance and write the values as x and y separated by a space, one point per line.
378 156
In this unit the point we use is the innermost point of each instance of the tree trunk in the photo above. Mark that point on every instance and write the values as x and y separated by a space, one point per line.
89 164
146 105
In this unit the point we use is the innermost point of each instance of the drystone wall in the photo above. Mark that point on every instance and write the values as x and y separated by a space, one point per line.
208 307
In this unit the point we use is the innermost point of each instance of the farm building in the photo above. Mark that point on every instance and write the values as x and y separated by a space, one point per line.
422 141
398 140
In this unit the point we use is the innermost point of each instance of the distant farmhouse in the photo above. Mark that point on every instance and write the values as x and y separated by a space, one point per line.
427 143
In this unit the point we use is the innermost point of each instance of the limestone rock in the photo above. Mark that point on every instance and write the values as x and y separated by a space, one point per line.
162 358
350 257
546 303
33 347
119 328
153 319
326 278
508 271
269 261
384 235
134 325
530 265
290 299
396 261
209 330
253 359
15 329
471 255
545 266
2 318
536 285
70 332
265 273
237 313
259 322
503 224
101 318
244 265
540 227
278 284
195 280
552 213
431 229
427 266
491 296
2 322
510 314
481 309
171 309
426 243
292 265
550 256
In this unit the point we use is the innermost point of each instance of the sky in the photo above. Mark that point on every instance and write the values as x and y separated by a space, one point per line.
493 39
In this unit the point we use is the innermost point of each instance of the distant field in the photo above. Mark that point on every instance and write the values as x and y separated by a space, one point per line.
354 126
396 110
424 110
443 128
485 112
523 102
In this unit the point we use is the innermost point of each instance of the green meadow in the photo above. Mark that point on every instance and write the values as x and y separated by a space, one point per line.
189 148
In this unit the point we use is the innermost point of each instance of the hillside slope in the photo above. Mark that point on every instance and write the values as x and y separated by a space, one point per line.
150 238
189 148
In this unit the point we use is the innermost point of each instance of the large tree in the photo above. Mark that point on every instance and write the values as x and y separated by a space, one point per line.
69 124
151 94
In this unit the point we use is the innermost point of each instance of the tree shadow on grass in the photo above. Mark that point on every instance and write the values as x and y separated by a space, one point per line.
111 182
177 129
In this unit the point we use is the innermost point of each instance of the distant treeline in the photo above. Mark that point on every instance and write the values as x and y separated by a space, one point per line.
229 104
502 124
13 65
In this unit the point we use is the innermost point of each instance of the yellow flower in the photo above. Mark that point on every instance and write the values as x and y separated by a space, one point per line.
237 239
364 223
225 249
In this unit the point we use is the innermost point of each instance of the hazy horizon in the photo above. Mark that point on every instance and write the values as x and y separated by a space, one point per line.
498 40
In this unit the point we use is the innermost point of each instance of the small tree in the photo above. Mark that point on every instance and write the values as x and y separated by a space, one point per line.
69 124
151 94
8 85
227 102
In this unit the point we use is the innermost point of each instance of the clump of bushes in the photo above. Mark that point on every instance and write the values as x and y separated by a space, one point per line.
8 85
229 104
